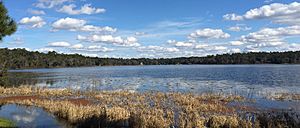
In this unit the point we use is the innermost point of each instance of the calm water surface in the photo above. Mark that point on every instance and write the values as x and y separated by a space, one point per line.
29 117
249 79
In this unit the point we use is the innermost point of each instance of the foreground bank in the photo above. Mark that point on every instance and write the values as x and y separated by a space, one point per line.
150 109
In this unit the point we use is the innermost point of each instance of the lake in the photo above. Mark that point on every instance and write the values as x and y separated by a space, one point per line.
256 82
248 80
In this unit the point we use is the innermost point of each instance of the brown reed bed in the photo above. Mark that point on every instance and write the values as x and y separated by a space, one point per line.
285 96
131 109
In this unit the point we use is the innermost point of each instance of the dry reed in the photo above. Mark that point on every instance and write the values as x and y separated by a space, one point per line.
150 109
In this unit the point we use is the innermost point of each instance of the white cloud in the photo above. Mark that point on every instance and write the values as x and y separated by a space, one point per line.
98 48
73 24
293 47
34 21
183 44
233 17
235 50
180 43
140 33
91 28
85 9
128 41
68 24
201 46
93 48
59 44
50 3
268 1
220 48
77 46
277 12
236 43
28 49
270 37
157 49
209 33
81 38
36 12
238 28
45 50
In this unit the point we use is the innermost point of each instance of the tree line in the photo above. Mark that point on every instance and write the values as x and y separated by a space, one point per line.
21 59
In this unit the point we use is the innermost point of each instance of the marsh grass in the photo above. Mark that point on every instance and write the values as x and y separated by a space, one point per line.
285 96
132 109
5 123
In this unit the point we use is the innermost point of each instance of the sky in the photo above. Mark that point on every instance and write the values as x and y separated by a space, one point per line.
154 28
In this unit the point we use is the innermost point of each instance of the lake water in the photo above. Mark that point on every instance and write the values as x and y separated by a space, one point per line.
247 80
29 117
251 81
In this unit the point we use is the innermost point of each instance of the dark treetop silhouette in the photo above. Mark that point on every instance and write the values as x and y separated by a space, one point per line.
20 59
7 27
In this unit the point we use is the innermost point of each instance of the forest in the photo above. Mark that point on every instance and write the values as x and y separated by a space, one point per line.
22 59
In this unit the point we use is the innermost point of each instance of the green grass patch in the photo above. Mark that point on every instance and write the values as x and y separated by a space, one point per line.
6 123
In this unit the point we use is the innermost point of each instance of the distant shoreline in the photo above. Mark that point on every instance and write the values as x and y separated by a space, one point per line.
10 70
23 59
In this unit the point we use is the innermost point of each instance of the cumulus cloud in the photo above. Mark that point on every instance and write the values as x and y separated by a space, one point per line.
36 12
91 28
93 48
128 41
212 48
68 24
235 50
98 48
236 43
293 47
50 3
233 17
181 43
59 44
140 33
270 37
34 21
201 46
239 27
277 12
77 46
73 24
45 50
157 49
85 9
209 33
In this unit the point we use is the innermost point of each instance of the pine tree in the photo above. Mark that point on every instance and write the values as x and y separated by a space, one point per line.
7 25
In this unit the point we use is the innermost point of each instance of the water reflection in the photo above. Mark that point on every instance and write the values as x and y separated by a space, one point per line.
29 116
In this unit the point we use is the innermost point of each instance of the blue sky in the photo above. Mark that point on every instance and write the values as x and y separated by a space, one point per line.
154 28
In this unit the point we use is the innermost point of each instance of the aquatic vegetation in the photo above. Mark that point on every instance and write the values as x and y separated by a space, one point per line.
285 96
6 123
131 109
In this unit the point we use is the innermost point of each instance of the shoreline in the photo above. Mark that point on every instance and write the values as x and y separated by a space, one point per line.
155 65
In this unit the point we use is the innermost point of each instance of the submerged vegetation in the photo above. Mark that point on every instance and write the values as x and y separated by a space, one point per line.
20 59
4 123
149 109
